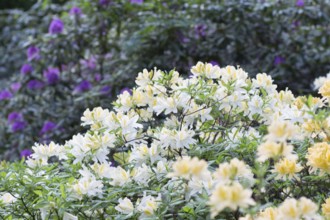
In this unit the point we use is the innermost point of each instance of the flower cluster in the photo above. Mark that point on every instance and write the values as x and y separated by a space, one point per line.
216 145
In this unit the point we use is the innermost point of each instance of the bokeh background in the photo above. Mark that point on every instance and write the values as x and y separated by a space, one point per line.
59 57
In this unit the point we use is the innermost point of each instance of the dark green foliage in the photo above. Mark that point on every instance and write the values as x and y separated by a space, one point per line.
277 37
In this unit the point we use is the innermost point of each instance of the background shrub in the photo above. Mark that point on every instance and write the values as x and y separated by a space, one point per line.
111 41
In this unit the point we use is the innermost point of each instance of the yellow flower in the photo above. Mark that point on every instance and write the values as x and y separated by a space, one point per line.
233 196
187 167
307 208
311 126
285 96
198 69
268 214
125 206
287 169
206 69
289 209
281 131
300 101
292 209
139 98
274 150
326 208
318 157
232 170
325 89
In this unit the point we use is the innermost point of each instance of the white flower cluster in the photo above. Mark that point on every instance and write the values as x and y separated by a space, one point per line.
174 143
318 82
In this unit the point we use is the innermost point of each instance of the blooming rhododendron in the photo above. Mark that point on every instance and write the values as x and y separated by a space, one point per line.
215 145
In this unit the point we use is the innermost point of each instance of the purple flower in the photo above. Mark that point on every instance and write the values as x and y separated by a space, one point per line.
83 86
25 153
52 75
5 95
126 89
35 84
300 3
48 126
295 24
278 60
137 2
90 63
104 2
98 77
15 86
26 69
214 63
18 126
33 53
75 11
15 116
105 90
181 37
16 121
56 26
200 30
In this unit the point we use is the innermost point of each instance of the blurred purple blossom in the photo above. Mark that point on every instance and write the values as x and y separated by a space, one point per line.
5 95
97 77
137 2
16 121
300 3
47 127
15 86
126 89
18 126
33 53
56 26
89 63
14 116
25 153
104 2
83 86
35 84
105 90
26 69
75 11
181 37
200 30
214 63
295 24
52 75
278 60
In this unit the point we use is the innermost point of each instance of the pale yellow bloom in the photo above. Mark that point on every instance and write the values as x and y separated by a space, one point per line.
148 206
311 126
268 214
274 150
292 209
326 208
229 196
307 208
318 157
187 167
232 170
281 131
325 89
287 169
285 96
125 206
206 69
140 98
289 210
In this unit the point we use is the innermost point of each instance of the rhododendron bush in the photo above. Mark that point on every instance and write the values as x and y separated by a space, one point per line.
215 145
